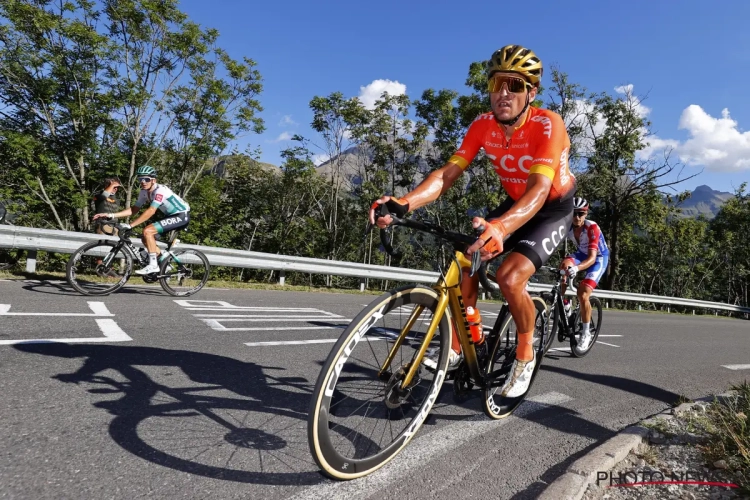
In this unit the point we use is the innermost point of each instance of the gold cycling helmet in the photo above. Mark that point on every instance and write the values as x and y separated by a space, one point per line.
516 59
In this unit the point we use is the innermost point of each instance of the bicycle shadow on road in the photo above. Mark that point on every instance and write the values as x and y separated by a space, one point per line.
207 415
62 288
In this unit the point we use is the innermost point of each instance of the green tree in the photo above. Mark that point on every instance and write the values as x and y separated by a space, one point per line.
56 100
616 176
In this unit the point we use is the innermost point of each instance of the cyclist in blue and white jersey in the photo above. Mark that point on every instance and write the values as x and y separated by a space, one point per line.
592 255
158 197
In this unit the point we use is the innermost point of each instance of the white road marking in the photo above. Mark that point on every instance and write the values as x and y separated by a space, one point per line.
220 305
111 330
737 367
262 317
423 449
216 325
98 308
300 342
611 345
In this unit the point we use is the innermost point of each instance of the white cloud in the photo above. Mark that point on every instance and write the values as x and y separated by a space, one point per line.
716 143
287 120
284 136
320 159
372 92
627 92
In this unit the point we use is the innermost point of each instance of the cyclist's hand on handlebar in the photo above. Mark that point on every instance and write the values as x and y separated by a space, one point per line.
393 205
100 216
125 227
572 271
490 242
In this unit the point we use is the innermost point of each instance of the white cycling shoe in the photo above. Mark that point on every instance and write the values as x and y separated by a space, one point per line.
520 378
585 341
148 270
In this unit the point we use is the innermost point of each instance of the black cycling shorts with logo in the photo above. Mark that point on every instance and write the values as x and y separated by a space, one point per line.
171 222
543 233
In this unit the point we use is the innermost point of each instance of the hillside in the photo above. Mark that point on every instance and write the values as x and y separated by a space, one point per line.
704 201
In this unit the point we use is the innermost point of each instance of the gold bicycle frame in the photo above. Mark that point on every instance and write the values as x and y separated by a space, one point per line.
449 297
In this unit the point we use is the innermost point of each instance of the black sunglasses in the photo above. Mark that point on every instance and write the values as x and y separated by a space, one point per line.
579 214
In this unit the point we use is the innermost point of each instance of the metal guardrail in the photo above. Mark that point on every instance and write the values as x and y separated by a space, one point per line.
50 240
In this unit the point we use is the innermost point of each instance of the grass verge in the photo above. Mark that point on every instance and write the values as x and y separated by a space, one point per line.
727 426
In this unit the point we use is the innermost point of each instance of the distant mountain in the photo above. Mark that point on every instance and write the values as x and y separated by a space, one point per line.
704 201
351 163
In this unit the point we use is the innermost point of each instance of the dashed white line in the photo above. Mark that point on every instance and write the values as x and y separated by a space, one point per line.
737 367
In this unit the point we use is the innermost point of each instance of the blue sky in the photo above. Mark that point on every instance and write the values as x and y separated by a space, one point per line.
692 59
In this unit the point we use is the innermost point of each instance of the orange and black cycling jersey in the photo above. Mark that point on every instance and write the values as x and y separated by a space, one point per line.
539 146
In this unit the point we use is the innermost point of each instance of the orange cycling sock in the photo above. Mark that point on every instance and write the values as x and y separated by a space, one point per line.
525 350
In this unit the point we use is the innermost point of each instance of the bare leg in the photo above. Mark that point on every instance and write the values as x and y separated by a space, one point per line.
512 276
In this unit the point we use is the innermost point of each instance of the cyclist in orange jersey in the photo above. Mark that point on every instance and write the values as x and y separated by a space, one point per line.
529 149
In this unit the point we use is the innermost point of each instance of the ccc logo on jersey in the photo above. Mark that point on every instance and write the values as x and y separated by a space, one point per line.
510 164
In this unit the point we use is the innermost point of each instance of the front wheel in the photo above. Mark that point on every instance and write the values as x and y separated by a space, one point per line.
99 268
594 327
184 272
500 361
361 414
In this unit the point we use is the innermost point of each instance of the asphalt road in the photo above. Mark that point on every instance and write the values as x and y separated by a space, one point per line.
140 395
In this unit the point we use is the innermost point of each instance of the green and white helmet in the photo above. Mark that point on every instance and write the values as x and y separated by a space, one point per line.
145 170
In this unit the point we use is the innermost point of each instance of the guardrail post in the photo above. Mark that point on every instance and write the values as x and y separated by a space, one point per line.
361 284
31 261
639 307
281 278
667 308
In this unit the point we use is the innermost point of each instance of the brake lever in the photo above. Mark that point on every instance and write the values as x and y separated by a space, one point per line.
385 240
476 258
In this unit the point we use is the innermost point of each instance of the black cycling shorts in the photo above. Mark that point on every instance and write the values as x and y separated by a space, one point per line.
543 233
172 222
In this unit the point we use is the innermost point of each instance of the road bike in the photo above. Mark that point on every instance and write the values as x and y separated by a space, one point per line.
568 325
383 375
104 266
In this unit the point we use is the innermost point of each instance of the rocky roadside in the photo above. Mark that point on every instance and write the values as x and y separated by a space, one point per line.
669 452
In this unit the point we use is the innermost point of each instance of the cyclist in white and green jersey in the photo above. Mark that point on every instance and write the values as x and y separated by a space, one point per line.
158 197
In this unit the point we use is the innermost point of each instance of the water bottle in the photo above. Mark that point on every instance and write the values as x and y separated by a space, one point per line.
144 255
475 324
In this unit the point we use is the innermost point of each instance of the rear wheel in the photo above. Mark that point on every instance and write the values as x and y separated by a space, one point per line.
360 417
186 272
99 268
